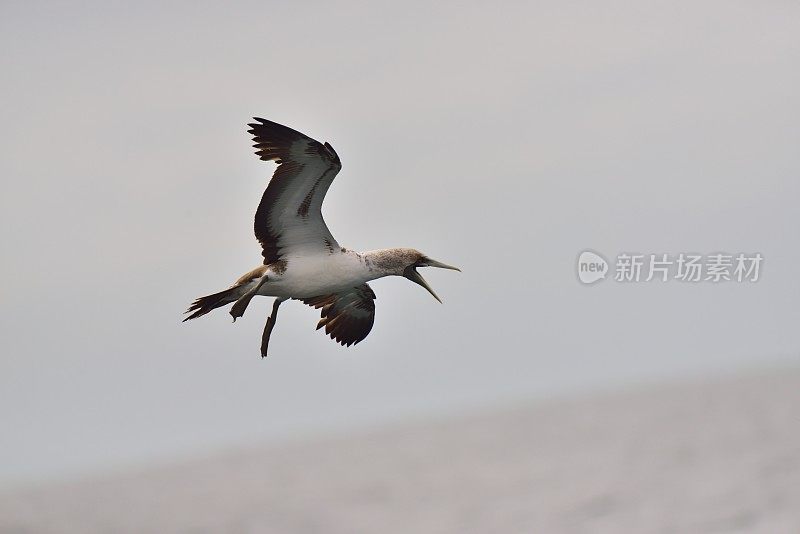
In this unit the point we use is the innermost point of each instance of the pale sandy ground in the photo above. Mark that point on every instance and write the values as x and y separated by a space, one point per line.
703 457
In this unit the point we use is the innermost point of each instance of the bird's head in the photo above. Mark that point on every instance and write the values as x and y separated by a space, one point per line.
405 262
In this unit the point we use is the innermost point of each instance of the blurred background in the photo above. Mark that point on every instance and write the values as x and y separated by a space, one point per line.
502 139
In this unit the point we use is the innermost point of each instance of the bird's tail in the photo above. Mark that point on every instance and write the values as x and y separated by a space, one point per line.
203 305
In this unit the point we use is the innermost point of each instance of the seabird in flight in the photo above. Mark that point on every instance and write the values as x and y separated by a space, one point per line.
302 260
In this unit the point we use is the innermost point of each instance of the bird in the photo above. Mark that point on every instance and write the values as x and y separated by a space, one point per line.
301 259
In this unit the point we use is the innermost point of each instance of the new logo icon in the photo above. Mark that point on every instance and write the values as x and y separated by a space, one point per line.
591 267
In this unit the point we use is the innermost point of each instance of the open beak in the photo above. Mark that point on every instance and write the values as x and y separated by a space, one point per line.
412 274
433 263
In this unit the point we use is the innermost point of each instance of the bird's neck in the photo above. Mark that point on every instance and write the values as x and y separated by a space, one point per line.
385 261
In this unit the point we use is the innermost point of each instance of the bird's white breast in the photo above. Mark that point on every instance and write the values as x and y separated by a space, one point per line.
317 274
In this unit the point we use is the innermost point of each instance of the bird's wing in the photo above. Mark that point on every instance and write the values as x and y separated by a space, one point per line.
289 218
348 315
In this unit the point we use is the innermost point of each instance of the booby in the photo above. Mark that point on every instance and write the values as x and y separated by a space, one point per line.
302 260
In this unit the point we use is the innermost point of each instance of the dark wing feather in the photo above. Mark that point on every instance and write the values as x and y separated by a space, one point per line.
347 316
290 213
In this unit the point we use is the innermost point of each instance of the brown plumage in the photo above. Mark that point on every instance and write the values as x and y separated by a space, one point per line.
203 305
347 316
273 142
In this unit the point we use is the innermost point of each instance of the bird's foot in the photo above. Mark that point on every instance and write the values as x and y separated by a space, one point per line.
238 308
267 332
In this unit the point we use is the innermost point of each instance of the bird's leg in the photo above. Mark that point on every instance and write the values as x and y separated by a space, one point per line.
269 326
241 305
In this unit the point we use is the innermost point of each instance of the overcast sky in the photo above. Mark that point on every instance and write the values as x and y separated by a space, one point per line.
504 141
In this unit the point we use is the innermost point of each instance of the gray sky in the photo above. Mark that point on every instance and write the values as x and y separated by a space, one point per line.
504 141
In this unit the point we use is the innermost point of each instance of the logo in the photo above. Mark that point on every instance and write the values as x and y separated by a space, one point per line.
591 267
683 267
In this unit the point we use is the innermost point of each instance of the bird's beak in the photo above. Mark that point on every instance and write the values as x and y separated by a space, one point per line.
412 274
433 263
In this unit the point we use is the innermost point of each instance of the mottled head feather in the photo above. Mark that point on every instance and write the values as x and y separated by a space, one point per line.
394 260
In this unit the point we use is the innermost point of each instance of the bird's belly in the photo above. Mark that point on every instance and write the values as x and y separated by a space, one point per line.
305 279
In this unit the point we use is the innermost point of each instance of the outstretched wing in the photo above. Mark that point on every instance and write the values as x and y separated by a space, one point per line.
289 218
347 316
